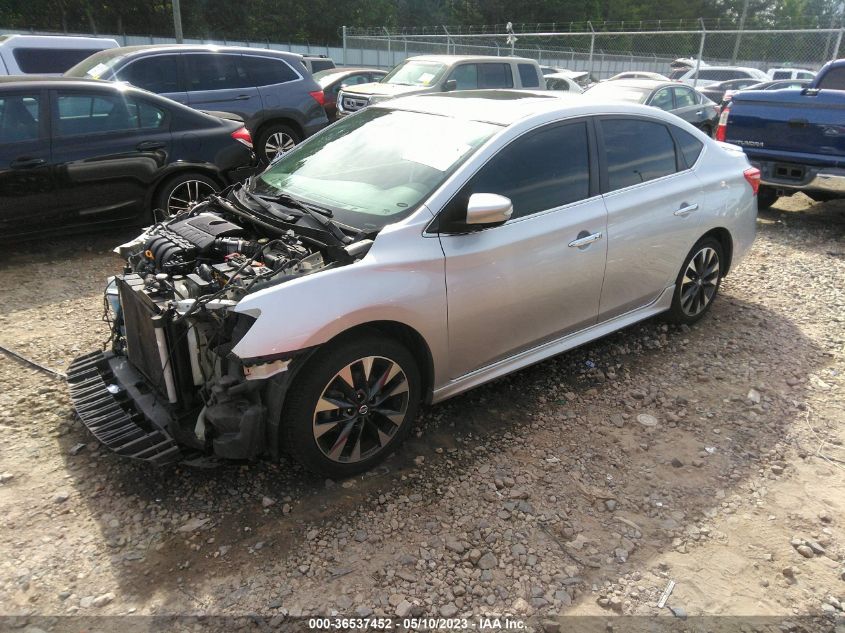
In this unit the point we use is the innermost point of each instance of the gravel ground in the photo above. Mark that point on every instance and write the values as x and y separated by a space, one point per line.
711 456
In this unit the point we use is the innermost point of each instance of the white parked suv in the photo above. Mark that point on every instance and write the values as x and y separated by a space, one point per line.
47 54
716 74
790 73
443 73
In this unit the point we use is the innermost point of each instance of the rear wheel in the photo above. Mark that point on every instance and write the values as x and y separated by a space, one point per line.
180 193
351 406
276 139
766 197
698 282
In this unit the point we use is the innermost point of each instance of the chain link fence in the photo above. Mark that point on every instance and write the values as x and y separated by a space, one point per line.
601 52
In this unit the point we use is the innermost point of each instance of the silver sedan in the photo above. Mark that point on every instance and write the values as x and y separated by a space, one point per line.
406 254
509 229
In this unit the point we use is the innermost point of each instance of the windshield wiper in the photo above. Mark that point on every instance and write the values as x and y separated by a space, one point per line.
319 214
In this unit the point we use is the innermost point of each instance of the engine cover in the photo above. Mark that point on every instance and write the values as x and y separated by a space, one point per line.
174 247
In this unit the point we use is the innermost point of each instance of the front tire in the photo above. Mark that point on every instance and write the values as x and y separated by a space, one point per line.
698 282
180 193
351 406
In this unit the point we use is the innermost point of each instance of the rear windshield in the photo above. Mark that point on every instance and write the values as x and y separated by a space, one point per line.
97 66
50 60
321 64
612 90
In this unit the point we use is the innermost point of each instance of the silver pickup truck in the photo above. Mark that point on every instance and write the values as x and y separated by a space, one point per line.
443 73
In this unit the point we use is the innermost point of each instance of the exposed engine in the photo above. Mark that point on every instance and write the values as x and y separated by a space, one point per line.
206 253
171 377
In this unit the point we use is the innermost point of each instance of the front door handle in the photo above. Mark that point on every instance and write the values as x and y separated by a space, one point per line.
27 163
146 146
586 239
241 98
686 209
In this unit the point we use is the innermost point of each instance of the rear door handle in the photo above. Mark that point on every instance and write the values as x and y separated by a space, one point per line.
146 146
699 113
587 239
241 98
686 209
27 163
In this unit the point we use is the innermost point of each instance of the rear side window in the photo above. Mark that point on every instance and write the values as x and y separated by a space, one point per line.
684 97
495 76
80 113
216 71
50 60
781 74
528 76
18 118
265 71
689 145
544 170
159 73
636 151
834 79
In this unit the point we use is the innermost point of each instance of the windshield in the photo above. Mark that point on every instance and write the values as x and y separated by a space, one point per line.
96 66
415 73
613 90
375 167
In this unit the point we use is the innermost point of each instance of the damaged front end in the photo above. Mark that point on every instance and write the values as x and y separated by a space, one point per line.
170 384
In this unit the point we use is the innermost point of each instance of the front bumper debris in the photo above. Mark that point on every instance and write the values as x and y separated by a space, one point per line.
104 405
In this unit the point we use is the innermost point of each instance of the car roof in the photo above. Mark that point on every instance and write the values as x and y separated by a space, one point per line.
349 69
452 59
196 48
51 81
508 107
61 41
646 84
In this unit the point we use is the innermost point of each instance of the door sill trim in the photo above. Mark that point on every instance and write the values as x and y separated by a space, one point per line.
552 348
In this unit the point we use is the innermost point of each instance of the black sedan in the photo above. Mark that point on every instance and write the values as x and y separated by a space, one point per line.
77 152
681 100
333 79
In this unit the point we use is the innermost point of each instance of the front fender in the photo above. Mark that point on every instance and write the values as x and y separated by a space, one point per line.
401 279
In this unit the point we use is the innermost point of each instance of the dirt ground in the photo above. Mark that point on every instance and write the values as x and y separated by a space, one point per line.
542 495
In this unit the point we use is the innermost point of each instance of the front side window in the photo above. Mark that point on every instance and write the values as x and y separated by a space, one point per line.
781 74
376 167
216 71
544 170
159 73
684 98
662 99
465 76
415 73
636 151
80 113
528 76
19 118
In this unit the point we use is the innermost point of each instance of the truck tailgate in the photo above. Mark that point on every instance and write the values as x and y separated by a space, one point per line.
787 121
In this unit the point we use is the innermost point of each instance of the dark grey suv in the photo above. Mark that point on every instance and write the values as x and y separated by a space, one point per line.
272 91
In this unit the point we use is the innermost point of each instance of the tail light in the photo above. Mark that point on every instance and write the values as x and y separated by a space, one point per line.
752 175
319 96
242 135
722 130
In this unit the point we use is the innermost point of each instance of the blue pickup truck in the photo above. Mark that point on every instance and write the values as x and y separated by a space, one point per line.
796 138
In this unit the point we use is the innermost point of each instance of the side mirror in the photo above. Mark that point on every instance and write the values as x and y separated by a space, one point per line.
450 85
488 208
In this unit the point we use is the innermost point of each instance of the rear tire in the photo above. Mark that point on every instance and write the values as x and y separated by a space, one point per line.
179 193
352 405
274 138
698 282
766 197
